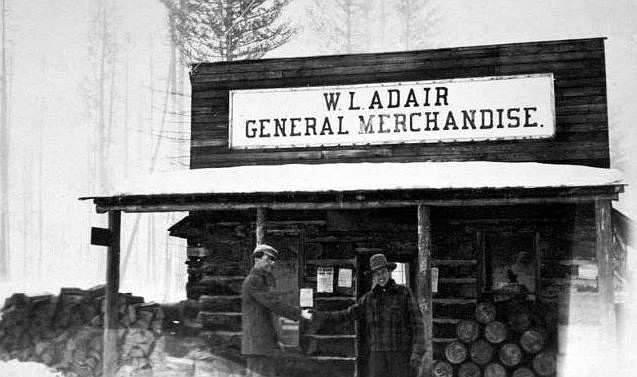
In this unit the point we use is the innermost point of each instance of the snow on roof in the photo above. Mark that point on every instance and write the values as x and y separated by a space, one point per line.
366 177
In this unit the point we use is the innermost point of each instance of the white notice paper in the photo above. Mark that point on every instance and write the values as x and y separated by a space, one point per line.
434 279
306 299
345 277
325 279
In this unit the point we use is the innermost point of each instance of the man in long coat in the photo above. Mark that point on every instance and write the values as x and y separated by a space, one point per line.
258 302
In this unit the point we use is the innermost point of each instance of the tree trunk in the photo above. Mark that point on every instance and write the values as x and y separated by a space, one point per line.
4 156
101 124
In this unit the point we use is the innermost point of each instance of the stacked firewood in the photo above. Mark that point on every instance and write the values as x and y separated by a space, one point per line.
65 331
513 343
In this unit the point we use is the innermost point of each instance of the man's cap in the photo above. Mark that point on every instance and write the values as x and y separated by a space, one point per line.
378 261
266 249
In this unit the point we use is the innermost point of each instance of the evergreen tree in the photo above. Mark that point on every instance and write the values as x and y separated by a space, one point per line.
227 30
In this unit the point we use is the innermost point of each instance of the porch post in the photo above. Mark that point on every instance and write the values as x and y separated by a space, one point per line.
261 219
423 287
603 250
111 299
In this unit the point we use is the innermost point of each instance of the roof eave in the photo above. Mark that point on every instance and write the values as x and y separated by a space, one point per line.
355 199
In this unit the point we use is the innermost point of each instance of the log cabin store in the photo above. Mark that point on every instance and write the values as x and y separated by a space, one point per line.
483 172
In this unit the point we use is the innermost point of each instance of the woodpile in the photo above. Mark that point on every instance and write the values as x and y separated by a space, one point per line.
66 332
504 339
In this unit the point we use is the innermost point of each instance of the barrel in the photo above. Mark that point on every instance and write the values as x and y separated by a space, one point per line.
481 352
495 332
523 372
456 352
468 331
485 312
442 369
544 363
469 369
531 341
494 370
510 354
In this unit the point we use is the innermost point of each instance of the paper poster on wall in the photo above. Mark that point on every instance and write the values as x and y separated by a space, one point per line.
434 279
306 298
345 277
325 279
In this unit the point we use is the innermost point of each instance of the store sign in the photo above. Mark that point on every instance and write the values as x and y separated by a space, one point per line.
488 108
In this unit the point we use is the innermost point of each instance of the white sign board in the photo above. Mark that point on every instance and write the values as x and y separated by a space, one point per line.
434 279
344 277
306 298
486 108
325 279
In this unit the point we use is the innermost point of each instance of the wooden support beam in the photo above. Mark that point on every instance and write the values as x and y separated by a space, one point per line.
423 287
112 293
349 200
261 225
604 255
537 244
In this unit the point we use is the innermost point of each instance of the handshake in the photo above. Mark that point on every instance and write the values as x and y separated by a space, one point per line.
307 314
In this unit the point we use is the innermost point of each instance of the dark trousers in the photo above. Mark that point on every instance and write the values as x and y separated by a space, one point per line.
261 366
390 364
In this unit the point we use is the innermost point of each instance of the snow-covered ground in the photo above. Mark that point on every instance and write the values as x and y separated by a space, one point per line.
14 368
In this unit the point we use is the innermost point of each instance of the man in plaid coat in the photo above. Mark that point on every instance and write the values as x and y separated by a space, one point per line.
394 323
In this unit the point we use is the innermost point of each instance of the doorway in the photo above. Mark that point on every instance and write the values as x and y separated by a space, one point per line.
405 271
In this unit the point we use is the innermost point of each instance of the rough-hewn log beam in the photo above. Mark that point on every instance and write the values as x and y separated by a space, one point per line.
423 286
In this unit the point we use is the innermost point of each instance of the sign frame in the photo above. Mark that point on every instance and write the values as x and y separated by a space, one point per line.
232 94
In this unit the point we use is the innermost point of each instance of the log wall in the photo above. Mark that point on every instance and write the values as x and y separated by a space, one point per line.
564 238
562 234
578 67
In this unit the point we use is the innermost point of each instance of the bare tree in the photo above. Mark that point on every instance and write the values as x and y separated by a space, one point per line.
227 30
4 153
100 87
341 24
415 18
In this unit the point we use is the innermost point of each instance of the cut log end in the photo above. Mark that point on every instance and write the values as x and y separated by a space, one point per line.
456 352
496 332
469 369
485 312
510 354
544 363
442 369
494 370
468 331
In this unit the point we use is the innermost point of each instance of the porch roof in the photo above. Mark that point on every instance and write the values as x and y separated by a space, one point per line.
287 184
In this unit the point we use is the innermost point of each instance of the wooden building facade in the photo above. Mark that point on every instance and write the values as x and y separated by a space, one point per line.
521 222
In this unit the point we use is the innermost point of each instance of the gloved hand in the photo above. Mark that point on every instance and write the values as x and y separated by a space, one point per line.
414 361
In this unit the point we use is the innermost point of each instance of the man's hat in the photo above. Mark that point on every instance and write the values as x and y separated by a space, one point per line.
378 261
266 249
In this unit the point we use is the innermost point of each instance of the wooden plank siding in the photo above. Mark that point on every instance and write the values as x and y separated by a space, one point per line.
578 67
